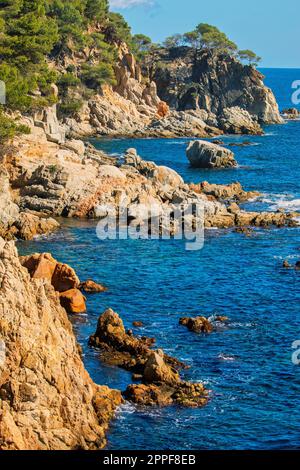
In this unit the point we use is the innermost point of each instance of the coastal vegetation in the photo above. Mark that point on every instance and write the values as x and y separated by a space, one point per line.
39 36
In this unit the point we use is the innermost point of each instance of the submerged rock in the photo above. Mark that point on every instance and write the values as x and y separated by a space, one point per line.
197 324
47 399
202 154
91 287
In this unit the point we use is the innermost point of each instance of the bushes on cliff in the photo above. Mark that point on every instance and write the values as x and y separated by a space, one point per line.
93 76
9 128
249 56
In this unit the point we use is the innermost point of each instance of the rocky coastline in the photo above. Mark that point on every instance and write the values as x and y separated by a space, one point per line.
52 172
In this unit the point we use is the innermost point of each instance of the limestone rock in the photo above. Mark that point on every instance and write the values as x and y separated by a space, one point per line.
47 399
9 211
238 121
233 191
29 226
110 171
202 154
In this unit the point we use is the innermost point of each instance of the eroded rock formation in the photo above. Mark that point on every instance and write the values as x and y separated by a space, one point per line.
61 276
162 384
202 154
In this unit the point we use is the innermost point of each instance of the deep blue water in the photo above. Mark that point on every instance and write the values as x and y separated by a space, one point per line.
255 388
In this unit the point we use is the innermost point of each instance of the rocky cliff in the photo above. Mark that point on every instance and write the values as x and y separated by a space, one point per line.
212 83
47 399
122 109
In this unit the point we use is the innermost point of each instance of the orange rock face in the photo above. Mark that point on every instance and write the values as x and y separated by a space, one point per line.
73 301
40 266
44 266
64 278
163 109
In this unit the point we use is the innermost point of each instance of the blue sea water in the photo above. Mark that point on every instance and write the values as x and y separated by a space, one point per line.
255 387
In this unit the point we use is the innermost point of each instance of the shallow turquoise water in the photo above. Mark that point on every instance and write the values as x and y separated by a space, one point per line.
255 388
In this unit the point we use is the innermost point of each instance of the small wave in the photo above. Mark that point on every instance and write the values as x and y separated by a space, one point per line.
225 357
281 201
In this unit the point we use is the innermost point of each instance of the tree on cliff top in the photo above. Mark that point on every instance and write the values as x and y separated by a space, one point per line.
249 56
206 36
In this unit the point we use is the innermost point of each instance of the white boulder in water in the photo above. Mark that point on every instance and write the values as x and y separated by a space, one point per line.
202 154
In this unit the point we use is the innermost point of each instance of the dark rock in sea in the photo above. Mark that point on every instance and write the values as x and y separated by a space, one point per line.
138 324
240 144
297 265
91 287
291 113
162 384
214 82
197 324
184 394
286 264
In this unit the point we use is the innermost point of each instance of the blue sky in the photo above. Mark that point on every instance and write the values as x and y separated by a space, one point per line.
269 27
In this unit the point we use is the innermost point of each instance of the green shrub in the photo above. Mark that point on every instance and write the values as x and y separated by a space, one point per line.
69 107
93 76
9 128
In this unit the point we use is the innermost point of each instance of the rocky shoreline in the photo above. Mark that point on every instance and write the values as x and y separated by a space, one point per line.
51 173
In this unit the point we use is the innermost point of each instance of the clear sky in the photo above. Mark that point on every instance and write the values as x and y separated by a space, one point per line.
269 27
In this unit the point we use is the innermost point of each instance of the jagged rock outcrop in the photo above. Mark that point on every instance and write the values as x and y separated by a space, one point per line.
162 384
235 120
47 399
124 109
61 276
229 192
202 154
16 224
197 324
213 82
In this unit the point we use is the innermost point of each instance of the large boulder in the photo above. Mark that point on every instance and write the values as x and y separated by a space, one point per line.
202 154
44 266
73 301
62 277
